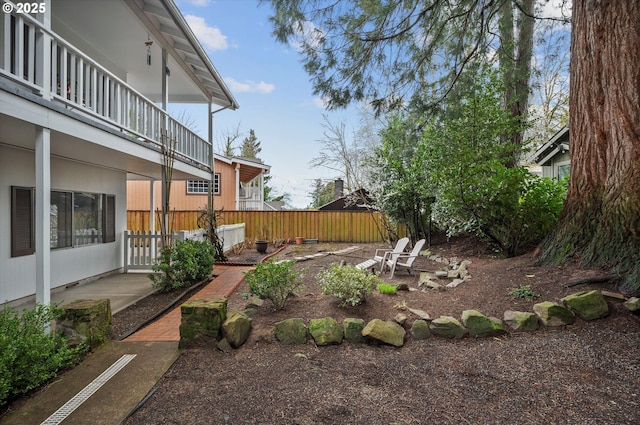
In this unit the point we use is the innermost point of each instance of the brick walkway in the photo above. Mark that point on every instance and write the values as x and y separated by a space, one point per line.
167 328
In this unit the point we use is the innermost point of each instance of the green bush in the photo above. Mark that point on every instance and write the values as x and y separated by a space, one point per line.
28 355
511 207
275 281
387 288
182 264
523 291
348 283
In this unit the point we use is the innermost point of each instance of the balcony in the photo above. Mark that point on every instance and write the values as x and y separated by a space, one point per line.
41 61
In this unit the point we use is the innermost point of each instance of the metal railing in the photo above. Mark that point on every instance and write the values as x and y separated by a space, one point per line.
78 81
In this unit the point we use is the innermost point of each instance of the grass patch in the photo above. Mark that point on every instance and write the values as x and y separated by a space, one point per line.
387 288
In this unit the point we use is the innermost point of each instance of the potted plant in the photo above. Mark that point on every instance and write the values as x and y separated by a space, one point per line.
262 241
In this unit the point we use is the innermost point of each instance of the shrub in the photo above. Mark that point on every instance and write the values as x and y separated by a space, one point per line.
29 356
182 264
348 283
524 292
275 281
387 288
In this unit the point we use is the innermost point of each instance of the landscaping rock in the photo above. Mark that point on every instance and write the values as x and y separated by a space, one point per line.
88 321
291 331
448 327
325 331
553 314
453 274
454 283
462 270
433 285
480 325
400 319
420 313
442 273
385 332
426 277
420 329
521 320
402 286
353 329
236 328
632 304
588 305
224 346
201 319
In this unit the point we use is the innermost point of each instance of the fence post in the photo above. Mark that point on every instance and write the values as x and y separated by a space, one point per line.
126 251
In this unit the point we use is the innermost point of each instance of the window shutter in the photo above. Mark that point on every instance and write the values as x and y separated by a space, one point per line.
109 217
22 221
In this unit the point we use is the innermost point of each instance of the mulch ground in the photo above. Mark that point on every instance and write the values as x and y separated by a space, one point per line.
587 373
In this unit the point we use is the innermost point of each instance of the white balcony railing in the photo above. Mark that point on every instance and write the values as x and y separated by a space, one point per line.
79 82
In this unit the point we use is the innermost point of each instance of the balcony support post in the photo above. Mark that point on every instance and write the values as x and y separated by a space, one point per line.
43 215
43 52
237 187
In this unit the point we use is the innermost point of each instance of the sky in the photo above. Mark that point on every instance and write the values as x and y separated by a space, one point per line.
273 90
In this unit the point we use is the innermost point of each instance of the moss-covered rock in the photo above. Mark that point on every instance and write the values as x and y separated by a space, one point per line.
633 305
553 314
521 320
480 325
588 305
353 329
202 319
236 328
447 327
291 331
420 329
325 331
89 319
385 332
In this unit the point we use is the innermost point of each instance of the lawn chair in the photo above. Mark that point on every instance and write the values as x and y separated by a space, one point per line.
394 260
382 255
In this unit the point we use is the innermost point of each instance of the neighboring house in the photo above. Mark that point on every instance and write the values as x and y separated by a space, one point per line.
238 185
84 89
358 200
553 156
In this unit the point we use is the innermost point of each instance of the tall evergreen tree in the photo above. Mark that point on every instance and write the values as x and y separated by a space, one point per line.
250 147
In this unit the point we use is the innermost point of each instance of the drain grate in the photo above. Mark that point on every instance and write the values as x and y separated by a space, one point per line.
71 405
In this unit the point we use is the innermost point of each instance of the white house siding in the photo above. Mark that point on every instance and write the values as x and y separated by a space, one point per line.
68 265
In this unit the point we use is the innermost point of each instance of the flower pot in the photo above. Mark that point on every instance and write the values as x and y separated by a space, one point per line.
299 240
261 246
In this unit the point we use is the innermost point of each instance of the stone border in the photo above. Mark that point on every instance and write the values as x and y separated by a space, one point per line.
587 305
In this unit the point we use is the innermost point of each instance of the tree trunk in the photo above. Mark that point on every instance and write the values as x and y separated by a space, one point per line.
515 54
600 222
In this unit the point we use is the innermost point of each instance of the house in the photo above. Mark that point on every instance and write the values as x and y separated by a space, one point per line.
238 185
84 90
358 200
553 156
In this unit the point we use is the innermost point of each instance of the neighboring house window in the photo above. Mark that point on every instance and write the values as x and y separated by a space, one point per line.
199 187
22 221
562 170
76 218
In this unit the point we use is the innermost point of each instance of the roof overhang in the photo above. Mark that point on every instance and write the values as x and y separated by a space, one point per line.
558 143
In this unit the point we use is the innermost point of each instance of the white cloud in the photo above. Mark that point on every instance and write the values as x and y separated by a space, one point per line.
211 37
198 3
249 86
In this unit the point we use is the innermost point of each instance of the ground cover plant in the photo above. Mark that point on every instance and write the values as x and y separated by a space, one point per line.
275 281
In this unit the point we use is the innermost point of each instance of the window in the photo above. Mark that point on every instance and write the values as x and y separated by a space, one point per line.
61 219
22 221
87 218
76 218
562 170
198 187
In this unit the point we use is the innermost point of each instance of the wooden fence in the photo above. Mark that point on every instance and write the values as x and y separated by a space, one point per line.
326 226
